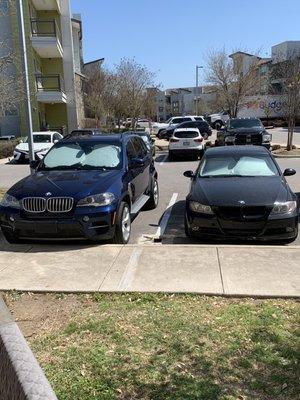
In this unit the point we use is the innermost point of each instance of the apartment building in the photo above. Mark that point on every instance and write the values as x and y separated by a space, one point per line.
54 51
182 101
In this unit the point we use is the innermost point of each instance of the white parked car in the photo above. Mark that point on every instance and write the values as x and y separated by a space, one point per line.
158 127
42 142
186 141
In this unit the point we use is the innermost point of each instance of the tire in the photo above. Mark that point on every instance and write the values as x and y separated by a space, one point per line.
10 236
218 125
152 203
217 143
122 232
171 156
201 153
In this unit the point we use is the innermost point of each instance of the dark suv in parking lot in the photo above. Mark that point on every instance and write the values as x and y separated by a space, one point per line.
87 187
244 131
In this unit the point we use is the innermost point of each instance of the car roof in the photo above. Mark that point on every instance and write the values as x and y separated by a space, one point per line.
44 133
237 150
101 137
186 129
243 119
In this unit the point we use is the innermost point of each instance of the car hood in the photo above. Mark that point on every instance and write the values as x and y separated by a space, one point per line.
76 184
246 130
36 146
229 191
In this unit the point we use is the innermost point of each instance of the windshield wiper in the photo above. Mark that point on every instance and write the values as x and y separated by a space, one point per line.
228 176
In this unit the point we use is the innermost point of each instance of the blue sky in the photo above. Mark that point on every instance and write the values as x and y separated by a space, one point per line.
172 36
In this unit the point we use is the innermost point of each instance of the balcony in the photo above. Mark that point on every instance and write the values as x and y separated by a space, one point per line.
46 5
50 89
46 38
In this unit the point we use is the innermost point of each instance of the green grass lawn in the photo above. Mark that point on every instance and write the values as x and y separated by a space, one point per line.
168 347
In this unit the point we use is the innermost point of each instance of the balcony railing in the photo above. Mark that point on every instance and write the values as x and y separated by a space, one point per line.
45 28
49 83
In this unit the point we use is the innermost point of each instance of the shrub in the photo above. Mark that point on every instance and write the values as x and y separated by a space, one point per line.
7 148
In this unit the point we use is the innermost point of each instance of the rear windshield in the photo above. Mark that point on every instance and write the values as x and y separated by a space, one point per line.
186 135
180 120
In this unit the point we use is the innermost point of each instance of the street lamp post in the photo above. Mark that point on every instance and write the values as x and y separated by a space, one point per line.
197 85
26 77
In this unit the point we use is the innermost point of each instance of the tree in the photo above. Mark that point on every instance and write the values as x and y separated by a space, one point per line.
232 78
133 79
287 74
11 76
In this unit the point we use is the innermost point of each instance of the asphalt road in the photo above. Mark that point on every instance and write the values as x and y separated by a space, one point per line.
173 190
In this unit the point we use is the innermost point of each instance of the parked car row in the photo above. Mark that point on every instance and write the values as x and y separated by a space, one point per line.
90 185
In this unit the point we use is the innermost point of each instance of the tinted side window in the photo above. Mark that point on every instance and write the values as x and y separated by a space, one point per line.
140 147
130 149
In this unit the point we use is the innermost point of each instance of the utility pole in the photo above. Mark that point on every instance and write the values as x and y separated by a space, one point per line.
197 85
26 77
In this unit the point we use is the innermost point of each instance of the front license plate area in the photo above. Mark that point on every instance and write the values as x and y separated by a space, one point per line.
48 227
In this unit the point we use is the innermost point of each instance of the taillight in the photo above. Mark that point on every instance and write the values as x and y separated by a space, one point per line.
173 140
199 140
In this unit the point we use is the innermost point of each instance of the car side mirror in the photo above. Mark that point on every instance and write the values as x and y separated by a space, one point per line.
189 174
34 164
136 163
289 172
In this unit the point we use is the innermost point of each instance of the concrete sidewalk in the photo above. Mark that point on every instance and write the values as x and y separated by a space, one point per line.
220 270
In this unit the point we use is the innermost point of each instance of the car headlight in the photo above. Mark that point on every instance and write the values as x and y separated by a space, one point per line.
96 200
229 139
284 208
9 201
200 208
267 137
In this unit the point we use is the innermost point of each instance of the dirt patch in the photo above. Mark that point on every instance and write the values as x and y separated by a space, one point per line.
38 314
284 152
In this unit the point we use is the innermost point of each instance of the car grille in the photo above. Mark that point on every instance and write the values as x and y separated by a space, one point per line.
53 204
247 138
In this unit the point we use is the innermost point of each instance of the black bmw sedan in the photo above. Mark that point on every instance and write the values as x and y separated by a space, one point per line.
239 192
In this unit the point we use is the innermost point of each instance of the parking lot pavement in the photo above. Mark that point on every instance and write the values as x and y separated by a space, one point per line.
279 136
11 173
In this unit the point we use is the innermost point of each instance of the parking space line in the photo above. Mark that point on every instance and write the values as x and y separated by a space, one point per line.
165 219
130 270
164 159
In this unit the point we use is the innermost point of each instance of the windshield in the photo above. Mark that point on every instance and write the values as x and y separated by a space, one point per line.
84 155
244 123
244 165
40 139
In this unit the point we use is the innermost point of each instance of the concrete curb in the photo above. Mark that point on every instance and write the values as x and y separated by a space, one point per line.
4 160
284 156
21 377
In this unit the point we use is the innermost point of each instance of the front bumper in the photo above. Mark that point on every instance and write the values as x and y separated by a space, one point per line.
85 223
186 151
211 226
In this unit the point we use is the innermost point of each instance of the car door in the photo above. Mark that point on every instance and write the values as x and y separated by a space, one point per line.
133 173
144 171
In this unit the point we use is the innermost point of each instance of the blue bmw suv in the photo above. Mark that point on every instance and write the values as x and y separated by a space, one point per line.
86 187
